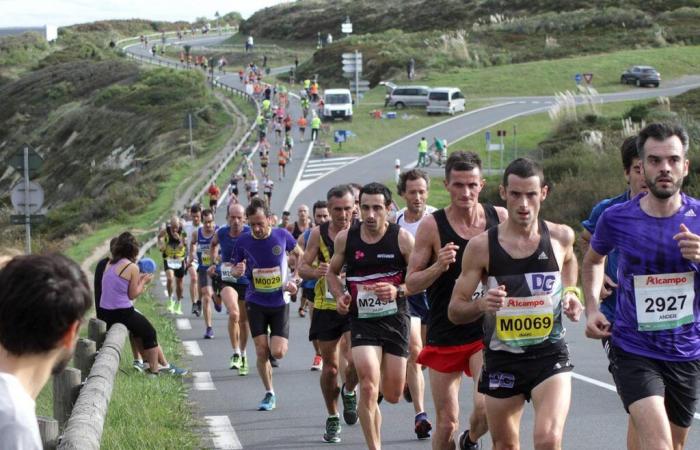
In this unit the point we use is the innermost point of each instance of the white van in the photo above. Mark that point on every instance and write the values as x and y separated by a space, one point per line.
337 104
445 100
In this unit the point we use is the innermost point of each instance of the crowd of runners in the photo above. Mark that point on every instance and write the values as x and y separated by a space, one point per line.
469 289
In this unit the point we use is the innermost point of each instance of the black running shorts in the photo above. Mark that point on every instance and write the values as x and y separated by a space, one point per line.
328 325
262 317
390 333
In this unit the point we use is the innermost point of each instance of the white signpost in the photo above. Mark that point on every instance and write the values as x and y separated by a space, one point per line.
352 67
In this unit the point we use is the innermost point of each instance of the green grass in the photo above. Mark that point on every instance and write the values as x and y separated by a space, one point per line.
548 77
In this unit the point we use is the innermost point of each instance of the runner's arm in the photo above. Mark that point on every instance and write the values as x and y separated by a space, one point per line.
333 280
193 247
571 303
306 270
475 260
420 275
406 245
161 240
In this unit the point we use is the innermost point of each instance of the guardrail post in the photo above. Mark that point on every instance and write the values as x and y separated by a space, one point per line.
97 330
85 352
66 386
48 429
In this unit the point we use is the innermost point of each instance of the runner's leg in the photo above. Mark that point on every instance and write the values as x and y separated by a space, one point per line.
504 416
367 363
414 374
551 400
445 389
329 374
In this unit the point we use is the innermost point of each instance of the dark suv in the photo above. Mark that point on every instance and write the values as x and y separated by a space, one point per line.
641 75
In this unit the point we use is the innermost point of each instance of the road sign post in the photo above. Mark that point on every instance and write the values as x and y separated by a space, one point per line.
26 197
352 67
488 148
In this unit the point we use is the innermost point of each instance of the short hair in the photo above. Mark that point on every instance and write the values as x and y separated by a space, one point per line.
207 212
462 161
376 189
660 131
195 208
628 151
410 175
255 205
126 247
339 191
320 204
286 213
357 186
524 168
41 297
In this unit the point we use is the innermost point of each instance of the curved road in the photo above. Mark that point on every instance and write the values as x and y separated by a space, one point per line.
227 403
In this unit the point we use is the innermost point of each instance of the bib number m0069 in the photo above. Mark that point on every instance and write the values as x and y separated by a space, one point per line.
525 321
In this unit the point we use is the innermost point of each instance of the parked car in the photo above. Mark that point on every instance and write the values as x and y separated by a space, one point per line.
641 76
337 104
445 100
403 96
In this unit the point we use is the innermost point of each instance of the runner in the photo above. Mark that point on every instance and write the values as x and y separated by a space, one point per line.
286 215
172 240
262 256
214 193
655 351
282 157
264 163
305 105
451 350
330 330
268 185
233 184
413 186
301 123
315 125
531 270
375 253
252 186
200 244
608 294
232 289
190 228
289 144
320 212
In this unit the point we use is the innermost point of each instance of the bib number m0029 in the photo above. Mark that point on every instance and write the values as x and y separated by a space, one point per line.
267 280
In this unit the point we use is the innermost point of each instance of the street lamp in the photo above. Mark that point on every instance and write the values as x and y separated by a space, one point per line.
217 15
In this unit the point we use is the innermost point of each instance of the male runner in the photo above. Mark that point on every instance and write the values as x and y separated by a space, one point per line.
413 188
172 240
327 326
655 351
530 270
375 253
214 193
450 349
608 294
232 289
262 256
302 223
190 227
200 244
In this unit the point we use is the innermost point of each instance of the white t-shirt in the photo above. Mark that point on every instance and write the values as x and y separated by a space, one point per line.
18 427
413 226
269 184
189 229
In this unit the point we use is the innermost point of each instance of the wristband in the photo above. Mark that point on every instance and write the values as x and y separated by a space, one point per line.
574 290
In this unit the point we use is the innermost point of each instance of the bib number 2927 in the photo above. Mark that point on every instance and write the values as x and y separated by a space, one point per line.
664 301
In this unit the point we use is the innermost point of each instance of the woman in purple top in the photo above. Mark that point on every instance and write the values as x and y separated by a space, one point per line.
122 283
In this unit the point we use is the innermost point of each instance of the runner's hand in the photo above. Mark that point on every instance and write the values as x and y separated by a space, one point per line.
571 306
211 271
239 269
343 304
385 291
322 270
291 287
447 255
597 326
689 243
607 287
493 300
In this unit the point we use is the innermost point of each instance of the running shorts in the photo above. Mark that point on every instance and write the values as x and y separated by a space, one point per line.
179 273
418 306
449 358
390 333
262 317
328 325
203 279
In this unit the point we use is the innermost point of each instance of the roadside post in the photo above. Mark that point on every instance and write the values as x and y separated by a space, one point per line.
352 68
190 123
502 135
397 170
26 196
487 135
515 141
578 78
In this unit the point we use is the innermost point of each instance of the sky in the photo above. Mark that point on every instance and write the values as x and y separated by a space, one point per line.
67 12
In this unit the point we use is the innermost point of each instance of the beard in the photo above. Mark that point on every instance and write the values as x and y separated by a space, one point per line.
62 362
663 193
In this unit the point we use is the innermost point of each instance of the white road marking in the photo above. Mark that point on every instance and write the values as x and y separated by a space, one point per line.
297 187
330 160
183 324
607 386
223 433
192 348
203 381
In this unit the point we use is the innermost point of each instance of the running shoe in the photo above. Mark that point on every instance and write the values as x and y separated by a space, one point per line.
209 334
198 309
171 306
302 312
178 307
332 434
318 363
407 394
173 370
138 365
194 309
217 306
268 403
243 370
462 442
235 361
423 426
349 406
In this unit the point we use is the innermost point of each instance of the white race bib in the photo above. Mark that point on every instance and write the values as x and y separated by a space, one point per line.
479 292
369 306
227 273
173 263
664 301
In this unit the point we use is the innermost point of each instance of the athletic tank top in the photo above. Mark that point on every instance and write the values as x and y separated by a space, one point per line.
115 289
227 243
203 247
413 226
368 264
308 284
296 232
442 332
175 243
530 321
323 299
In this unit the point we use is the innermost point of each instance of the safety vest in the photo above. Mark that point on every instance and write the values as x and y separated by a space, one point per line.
316 123
423 146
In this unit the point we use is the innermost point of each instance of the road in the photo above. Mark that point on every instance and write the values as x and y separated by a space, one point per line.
227 403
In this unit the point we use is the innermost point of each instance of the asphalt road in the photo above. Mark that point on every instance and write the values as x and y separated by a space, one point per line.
227 403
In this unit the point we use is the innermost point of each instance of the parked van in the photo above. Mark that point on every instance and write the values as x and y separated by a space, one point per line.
337 104
445 100
403 96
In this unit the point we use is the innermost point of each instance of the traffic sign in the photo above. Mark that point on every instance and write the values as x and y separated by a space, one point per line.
588 77
352 67
352 56
346 28
495 147
22 219
360 83
35 160
27 200
501 133
488 136
578 78
340 136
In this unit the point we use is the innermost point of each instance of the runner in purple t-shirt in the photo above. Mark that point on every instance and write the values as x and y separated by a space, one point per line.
655 352
262 256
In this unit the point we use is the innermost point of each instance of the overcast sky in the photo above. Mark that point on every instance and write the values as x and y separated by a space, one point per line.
68 12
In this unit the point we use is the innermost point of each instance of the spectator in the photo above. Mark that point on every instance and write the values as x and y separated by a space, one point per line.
42 303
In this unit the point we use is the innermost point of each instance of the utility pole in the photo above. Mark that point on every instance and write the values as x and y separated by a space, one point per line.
189 120
27 212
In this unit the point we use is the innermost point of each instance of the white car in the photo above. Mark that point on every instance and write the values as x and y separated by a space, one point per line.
445 100
337 104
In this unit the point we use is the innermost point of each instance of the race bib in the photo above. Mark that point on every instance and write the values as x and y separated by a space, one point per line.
328 298
479 292
664 301
267 280
206 257
227 273
525 321
173 263
369 306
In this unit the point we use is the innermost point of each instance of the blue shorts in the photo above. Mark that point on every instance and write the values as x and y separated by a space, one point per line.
418 306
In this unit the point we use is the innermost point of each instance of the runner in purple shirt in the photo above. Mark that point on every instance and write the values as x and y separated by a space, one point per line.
262 256
655 352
